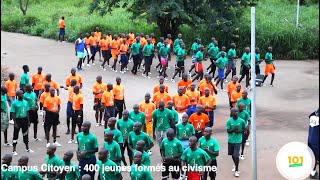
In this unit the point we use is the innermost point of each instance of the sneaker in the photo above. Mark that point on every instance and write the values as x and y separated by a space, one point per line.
272 85
150 152
236 174
172 80
29 150
109 66
37 139
226 80
97 124
7 145
115 71
264 85
93 64
71 141
242 157
57 144
223 90
14 153
101 67
101 124
150 73
11 122
104 69
82 64
48 144
315 176
88 65
76 142
122 72
150 77
234 169
247 143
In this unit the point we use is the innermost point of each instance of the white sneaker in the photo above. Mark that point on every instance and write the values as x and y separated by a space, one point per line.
242 157
272 85
104 69
143 75
172 80
14 153
82 64
101 124
115 71
264 85
148 77
48 144
150 152
70 141
37 139
234 169
122 72
93 64
247 143
150 73
88 65
7 145
11 122
29 150
224 90
97 124
57 144
226 80
236 174
109 66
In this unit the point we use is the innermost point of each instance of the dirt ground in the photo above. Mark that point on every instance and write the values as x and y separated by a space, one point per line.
282 111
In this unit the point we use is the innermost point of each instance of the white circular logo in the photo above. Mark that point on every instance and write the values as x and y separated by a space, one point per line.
295 161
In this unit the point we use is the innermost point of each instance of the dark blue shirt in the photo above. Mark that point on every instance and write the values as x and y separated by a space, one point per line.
313 136
191 110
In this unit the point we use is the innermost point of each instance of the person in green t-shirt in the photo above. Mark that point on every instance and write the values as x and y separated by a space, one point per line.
184 131
87 147
135 50
52 161
7 171
19 113
270 68
175 114
30 173
139 171
159 45
211 44
210 146
180 57
137 135
112 128
70 171
243 114
25 79
176 41
232 56
4 115
125 125
194 50
258 61
235 127
245 66
195 157
162 121
32 99
177 47
148 50
108 169
171 151
198 64
113 147
221 63
138 116
246 101
164 53
213 50
145 156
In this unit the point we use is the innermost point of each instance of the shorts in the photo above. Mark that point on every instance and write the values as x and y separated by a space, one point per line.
245 136
269 69
160 135
245 70
51 119
62 32
108 112
76 120
93 49
97 104
69 109
193 175
81 55
37 92
87 52
114 56
198 67
149 126
124 59
231 65
184 143
234 149
33 116
180 64
221 74
87 162
175 174
315 149
164 61
4 121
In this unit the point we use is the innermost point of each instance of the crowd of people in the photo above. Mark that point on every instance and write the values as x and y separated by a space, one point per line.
181 124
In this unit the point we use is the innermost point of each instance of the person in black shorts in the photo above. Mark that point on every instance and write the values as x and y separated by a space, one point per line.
109 110
181 56
19 114
77 112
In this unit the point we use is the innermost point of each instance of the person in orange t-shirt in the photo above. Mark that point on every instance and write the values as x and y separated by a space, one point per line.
153 40
98 88
199 121
52 107
75 76
107 101
161 96
156 88
37 79
131 37
124 49
77 115
98 36
119 103
170 42
209 103
193 94
208 84
231 87
114 46
52 83
93 48
12 87
87 48
236 95
181 102
185 82
62 27
44 95
147 107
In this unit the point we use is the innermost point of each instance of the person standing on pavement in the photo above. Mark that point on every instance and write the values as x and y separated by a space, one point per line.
119 102
313 141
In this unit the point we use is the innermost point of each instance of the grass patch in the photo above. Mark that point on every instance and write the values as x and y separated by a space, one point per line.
275 25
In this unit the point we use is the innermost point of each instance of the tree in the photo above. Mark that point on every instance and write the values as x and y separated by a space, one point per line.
25 8
169 15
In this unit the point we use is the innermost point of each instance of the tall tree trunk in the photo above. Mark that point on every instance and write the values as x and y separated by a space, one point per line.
23 9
